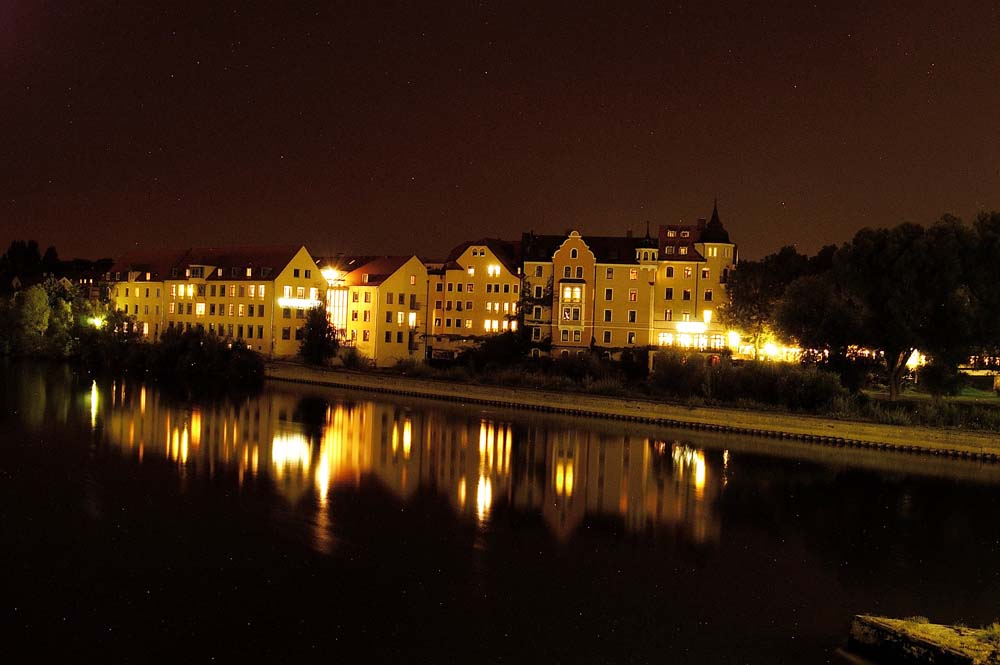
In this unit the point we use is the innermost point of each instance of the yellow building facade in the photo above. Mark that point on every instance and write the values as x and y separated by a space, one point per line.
378 305
474 293
256 296
616 293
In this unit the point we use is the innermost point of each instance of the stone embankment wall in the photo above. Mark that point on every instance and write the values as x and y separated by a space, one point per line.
983 446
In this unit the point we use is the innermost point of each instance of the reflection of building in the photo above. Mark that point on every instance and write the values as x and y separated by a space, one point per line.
307 446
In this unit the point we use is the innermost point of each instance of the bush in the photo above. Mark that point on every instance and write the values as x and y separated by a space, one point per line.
679 374
354 359
941 379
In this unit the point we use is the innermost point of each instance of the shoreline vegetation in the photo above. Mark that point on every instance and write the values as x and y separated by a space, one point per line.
806 427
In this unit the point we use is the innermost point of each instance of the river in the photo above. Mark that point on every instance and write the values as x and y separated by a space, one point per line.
308 524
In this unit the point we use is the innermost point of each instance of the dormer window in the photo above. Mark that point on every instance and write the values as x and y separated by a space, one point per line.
669 249
684 250
249 272
671 234
573 253
219 272
685 234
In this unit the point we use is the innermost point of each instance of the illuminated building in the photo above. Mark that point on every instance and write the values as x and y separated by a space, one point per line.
475 292
256 296
616 293
378 305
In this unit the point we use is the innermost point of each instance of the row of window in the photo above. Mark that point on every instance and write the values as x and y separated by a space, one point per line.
199 309
469 287
237 331
633 273
459 306
138 292
215 290
199 271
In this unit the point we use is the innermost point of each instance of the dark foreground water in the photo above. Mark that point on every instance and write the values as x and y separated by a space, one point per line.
312 525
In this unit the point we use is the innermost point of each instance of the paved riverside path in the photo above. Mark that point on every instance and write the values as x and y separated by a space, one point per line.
817 429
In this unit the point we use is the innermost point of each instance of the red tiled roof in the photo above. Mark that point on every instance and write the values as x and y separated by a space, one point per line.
378 270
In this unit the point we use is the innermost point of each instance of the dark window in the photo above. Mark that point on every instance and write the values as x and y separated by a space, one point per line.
669 294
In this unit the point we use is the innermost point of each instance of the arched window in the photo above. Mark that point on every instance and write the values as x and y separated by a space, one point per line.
573 253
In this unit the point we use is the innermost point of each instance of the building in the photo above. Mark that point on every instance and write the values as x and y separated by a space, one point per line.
256 296
475 292
378 305
616 293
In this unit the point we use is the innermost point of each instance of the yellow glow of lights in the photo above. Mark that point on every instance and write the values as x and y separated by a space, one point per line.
733 338
142 400
94 398
96 321
331 274
196 427
915 360
289 451
484 497
696 327
413 319
707 316
461 492
304 303
407 438
770 349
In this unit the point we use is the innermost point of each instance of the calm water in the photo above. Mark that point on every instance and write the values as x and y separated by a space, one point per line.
309 525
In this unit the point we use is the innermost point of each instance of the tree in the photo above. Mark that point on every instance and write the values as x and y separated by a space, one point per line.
32 319
754 290
319 338
910 285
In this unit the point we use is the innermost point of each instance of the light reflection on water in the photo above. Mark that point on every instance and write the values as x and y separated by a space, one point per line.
307 446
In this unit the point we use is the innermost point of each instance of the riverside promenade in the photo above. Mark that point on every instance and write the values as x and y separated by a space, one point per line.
978 445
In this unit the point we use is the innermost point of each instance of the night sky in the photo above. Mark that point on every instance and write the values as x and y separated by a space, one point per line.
379 127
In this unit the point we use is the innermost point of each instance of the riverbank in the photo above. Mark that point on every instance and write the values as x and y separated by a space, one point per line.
919 641
978 445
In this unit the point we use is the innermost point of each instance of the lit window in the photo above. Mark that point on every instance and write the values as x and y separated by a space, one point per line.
400 317
668 315
287 292
253 291
300 292
249 272
199 309
633 295
631 338
242 309
633 273
412 320
669 249
313 293
173 290
687 272
190 290
413 280
610 273
171 308
671 234
260 291
683 250
472 271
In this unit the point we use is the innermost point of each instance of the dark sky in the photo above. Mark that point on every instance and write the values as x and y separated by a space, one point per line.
388 128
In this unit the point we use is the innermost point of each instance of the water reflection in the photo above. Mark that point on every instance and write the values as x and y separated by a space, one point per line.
306 447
